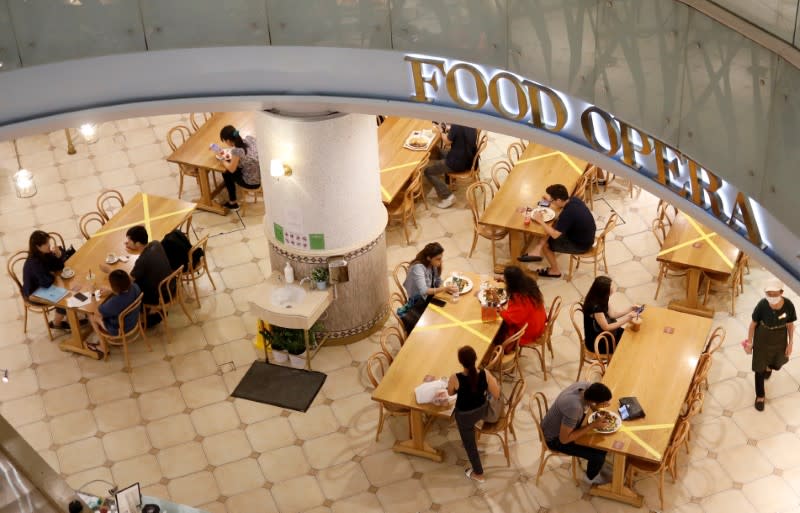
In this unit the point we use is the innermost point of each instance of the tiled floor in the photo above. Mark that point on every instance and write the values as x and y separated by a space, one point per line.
172 426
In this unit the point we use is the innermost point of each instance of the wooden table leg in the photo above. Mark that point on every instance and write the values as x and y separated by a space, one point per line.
616 489
417 446
75 343
206 199
691 304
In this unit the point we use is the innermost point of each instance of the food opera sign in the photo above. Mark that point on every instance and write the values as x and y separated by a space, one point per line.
518 99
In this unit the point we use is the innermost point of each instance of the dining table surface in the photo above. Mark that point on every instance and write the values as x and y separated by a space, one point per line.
196 153
691 245
537 168
397 163
432 350
656 365
159 215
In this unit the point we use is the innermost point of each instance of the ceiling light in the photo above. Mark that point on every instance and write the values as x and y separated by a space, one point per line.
22 179
89 132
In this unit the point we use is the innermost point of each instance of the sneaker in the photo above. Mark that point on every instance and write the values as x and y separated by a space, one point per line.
231 205
599 479
447 202
63 325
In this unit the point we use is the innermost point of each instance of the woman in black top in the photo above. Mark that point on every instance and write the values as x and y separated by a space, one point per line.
769 336
44 260
596 316
471 404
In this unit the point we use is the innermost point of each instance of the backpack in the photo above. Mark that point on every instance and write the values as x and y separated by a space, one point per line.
177 246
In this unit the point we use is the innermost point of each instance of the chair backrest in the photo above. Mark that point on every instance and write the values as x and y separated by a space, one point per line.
17 259
377 365
600 242
112 197
539 407
500 171
604 345
495 363
513 400
87 220
395 302
515 151
483 140
694 402
479 195
577 310
659 231
715 340
392 340
583 189
194 119
186 225
136 306
411 191
178 135
169 289
662 212
702 369
679 437
555 309
594 372
513 340
57 239
399 274
201 247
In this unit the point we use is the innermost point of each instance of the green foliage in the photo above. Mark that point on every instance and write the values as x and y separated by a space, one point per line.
291 340
319 274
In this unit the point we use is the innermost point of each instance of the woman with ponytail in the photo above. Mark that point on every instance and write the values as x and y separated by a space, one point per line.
471 385
242 168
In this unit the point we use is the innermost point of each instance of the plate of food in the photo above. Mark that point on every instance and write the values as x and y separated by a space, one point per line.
463 283
548 214
493 296
224 155
67 273
417 141
611 421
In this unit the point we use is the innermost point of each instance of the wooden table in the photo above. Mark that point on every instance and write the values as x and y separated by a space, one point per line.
398 163
537 168
657 368
195 153
159 215
694 246
432 349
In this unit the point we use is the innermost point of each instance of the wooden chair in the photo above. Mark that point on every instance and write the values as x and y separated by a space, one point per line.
576 310
668 462
494 363
505 423
584 189
110 196
664 269
715 340
87 219
604 346
57 239
515 151
479 195
692 406
243 193
169 293
594 372
609 177
734 282
380 119
597 252
402 208
662 212
18 260
195 271
392 340
186 226
539 407
510 361
544 341
395 302
124 338
399 274
472 174
419 191
176 137
377 365
500 172
194 119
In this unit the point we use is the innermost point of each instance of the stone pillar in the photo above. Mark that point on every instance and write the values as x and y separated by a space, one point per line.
330 205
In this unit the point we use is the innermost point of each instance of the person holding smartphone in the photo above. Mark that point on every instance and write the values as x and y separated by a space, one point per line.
597 316
423 281
242 168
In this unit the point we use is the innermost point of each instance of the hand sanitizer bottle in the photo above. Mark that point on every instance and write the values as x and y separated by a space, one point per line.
288 273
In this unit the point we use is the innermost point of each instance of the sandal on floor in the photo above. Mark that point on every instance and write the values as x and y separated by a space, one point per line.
471 475
760 404
96 349
545 273
64 325
529 258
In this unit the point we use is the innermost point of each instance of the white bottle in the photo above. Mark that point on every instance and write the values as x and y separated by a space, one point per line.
288 273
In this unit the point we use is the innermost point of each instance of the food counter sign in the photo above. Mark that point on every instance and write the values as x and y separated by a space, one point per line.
531 100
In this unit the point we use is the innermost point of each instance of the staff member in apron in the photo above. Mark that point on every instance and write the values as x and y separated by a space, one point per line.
769 337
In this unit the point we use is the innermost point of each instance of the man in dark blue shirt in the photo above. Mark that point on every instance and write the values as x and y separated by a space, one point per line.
463 147
573 232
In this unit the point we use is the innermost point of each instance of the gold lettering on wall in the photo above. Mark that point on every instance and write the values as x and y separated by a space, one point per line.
456 92
420 80
629 146
741 212
519 93
610 128
698 186
667 169
537 93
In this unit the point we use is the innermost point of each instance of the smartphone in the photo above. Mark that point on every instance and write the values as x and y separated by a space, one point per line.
80 296
215 148
543 203
624 413
640 310
438 302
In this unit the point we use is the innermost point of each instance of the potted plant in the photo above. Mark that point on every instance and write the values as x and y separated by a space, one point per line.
275 336
320 276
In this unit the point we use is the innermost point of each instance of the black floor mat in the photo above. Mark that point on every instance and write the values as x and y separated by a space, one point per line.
281 386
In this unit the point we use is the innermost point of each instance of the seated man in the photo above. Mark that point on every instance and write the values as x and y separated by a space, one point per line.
151 267
105 320
463 146
573 232
561 424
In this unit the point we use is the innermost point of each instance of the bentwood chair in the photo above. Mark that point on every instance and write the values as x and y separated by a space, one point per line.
511 353
494 364
392 341
176 137
594 372
472 174
18 260
197 267
479 196
197 119
109 202
539 407
665 270
395 302
597 252
243 193
576 317
584 188
419 192
126 337
515 151
734 281
169 293
399 274
377 365
604 346
545 339
662 212
87 220
505 423
500 171
668 462
402 208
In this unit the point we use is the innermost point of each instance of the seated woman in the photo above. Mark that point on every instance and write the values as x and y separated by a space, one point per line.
424 279
105 320
525 305
243 168
44 261
597 317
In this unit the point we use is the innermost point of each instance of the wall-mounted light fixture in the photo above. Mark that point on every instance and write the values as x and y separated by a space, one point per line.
22 179
278 168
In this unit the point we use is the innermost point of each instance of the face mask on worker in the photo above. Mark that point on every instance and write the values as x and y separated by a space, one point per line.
773 300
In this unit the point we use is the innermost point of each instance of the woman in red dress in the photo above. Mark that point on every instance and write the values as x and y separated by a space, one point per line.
525 305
